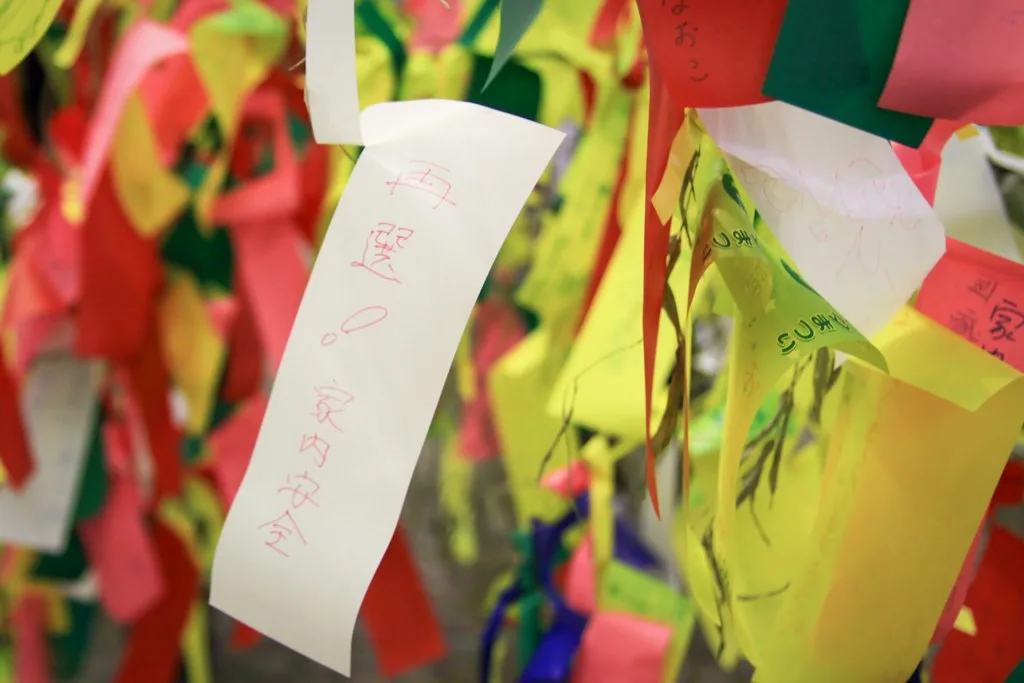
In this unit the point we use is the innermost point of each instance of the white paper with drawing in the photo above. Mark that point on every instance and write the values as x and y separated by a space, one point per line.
59 407
840 203
424 214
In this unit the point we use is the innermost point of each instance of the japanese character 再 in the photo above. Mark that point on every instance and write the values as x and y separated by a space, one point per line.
282 529
426 177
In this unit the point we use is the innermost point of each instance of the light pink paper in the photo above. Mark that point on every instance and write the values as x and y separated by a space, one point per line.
144 45
618 647
31 649
232 444
580 581
436 25
120 551
569 481
960 60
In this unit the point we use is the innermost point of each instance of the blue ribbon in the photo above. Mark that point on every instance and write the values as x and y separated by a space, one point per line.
552 661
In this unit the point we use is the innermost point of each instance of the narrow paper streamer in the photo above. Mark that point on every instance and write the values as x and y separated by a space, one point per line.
424 214
332 93
59 405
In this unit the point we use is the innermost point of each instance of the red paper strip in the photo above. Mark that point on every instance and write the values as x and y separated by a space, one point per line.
121 274
120 551
1010 489
712 54
403 627
274 274
150 386
960 60
244 373
922 165
153 652
997 600
31 649
231 445
14 452
980 296
665 119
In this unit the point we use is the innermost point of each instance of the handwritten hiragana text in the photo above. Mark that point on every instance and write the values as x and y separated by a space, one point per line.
427 177
686 37
281 530
806 330
360 320
381 245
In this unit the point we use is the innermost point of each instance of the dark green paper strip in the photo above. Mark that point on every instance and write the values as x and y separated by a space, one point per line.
835 61
516 18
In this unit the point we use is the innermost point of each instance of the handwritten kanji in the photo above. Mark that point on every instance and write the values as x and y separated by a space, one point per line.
300 495
381 244
282 529
331 400
1006 319
426 177
984 287
321 448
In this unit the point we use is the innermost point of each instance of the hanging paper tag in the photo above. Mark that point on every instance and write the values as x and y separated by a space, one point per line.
424 214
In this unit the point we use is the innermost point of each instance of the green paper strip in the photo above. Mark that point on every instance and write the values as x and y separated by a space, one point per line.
835 63
516 18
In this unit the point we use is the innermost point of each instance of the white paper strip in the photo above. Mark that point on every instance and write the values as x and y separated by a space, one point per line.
332 90
969 201
422 218
838 200
59 407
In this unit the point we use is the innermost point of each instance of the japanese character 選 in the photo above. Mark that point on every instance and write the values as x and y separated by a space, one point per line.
381 244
